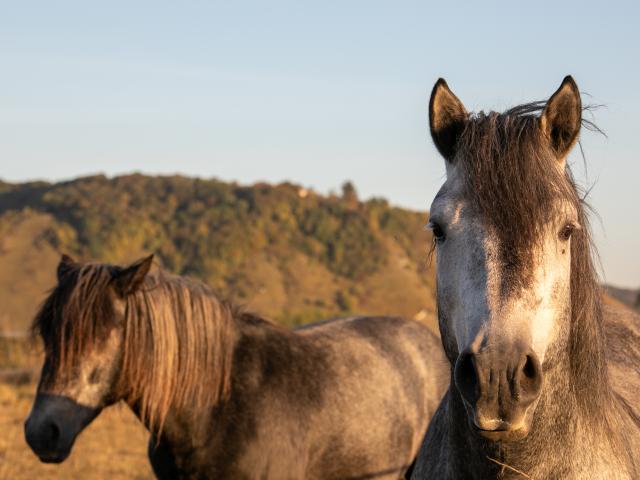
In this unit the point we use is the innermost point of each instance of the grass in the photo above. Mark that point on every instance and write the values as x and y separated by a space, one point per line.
17 352
112 447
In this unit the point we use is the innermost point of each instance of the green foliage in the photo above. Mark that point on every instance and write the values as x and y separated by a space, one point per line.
215 230
349 195
346 301
196 225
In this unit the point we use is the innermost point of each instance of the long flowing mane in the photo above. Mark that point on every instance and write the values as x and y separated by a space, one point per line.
177 342
514 181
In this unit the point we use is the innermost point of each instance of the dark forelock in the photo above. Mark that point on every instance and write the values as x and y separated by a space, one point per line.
513 181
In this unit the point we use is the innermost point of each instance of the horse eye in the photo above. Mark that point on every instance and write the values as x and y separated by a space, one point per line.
438 233
565 233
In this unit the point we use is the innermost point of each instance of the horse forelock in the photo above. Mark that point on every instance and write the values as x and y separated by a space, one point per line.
77 315
513 181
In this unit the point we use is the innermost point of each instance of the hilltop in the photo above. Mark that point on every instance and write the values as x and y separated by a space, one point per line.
281 250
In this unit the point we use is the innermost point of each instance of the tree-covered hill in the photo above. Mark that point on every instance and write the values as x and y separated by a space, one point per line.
283 251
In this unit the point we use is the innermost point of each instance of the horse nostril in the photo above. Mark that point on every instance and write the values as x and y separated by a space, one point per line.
530 379
44 435
529 368
55 432
52 432
466 377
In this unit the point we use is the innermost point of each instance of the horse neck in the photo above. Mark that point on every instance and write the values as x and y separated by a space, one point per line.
178 350
187 426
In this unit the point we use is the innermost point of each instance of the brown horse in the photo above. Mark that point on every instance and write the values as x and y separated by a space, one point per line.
545 383
227 394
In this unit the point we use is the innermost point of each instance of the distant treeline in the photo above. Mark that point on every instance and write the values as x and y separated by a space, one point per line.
212 229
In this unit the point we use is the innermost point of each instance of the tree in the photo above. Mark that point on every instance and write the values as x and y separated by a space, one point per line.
349 195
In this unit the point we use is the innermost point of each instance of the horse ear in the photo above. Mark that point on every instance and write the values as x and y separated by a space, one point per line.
447 119
65 265
128 280
562 117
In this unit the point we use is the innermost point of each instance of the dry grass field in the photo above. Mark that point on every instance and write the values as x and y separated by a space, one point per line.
112 447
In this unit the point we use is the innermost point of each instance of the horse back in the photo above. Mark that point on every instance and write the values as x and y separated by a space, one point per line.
622 331
389 375
393 350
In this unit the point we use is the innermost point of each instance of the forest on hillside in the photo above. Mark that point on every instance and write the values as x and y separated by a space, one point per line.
283 249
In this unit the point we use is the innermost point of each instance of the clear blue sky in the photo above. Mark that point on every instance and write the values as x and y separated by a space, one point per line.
314 92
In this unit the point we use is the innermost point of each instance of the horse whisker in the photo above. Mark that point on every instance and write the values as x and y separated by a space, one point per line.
520 472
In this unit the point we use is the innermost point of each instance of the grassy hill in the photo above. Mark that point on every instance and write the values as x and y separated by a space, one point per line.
283 251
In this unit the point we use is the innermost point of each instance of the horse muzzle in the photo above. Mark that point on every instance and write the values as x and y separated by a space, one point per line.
53 425
499 388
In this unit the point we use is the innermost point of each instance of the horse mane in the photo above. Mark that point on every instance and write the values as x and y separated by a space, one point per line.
185 333
177 338
514 181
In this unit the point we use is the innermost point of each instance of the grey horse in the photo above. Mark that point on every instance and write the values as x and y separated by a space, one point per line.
227 394
545 381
